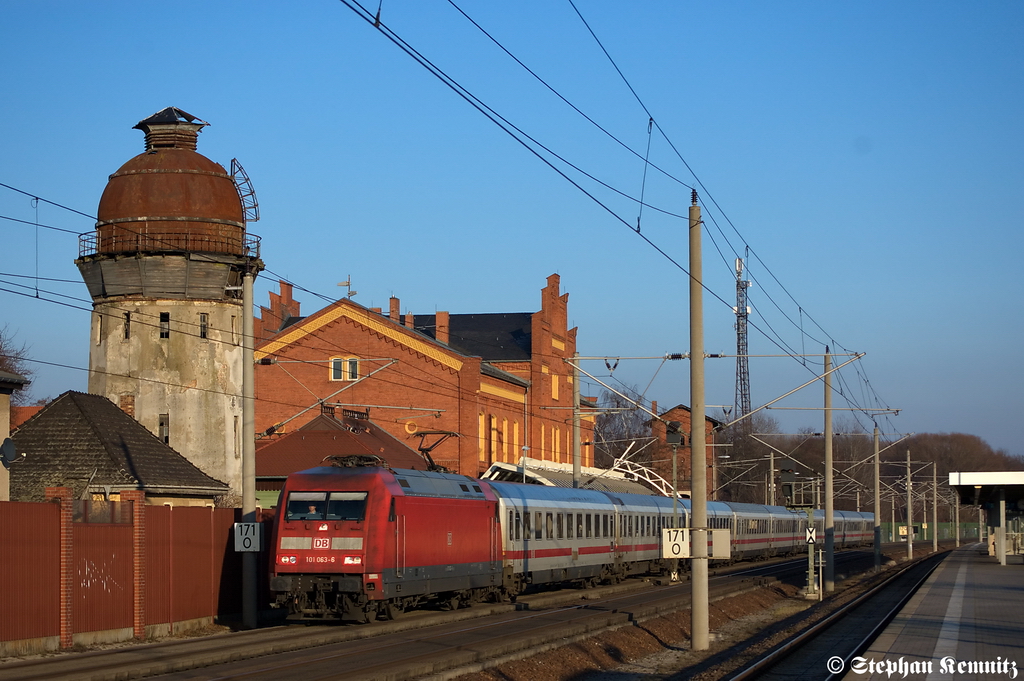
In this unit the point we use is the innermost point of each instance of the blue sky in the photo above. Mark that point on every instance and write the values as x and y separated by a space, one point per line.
869 154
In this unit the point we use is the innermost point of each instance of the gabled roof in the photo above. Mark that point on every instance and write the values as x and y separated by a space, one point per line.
346 309
492 336
715 422
82 440
330 436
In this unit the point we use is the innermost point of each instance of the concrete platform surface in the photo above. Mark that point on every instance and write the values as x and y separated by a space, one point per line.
965 622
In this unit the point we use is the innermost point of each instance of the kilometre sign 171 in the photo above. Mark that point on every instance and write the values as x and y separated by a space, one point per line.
675 543
247 536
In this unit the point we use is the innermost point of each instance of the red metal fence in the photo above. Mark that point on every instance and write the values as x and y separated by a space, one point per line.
103 589
64 573
30 556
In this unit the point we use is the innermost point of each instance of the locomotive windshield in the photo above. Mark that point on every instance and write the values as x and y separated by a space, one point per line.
346 506
326 506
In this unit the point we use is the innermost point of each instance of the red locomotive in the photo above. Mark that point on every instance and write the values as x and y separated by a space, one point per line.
365 542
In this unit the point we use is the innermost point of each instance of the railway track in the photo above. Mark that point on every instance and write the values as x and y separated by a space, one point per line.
418 643
824 650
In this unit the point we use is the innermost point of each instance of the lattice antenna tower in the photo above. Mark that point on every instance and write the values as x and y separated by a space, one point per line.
742 404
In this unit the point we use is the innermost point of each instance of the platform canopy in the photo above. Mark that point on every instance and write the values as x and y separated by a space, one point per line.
979 488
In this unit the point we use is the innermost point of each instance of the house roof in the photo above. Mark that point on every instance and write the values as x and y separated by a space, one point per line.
83 441
345 309
21 414
10 382
715 422
493 371
492 336
331 436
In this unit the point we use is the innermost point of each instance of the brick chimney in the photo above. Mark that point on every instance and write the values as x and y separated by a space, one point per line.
409 320
441 327
396 305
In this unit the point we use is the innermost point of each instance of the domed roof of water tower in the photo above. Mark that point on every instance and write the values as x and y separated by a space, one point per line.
170 197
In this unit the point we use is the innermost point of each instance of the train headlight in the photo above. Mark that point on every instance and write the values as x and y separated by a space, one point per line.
353 560
288 560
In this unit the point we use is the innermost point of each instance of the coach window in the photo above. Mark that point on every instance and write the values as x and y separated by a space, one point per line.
538 528
518 524
604 524
568 525
579 525
558 525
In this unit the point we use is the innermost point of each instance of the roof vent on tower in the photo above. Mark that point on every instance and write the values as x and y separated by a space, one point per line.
171 129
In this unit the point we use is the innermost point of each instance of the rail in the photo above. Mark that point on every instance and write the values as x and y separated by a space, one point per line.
122 242
761 666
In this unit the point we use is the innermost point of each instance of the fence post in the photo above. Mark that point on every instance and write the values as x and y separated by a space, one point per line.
138 501
63 496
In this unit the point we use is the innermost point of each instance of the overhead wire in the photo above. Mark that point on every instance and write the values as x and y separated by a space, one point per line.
494 116
704 189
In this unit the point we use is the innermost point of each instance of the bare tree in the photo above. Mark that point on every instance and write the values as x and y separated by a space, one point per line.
14 360
742 475
620 423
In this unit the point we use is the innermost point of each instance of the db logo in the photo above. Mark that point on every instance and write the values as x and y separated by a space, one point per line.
321 542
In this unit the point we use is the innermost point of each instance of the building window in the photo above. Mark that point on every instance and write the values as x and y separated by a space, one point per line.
204 325
554 386
164 429
127 325
492 449
483 440
344 369
165 324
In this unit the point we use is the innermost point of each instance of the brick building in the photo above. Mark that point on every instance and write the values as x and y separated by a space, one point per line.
661 458
499 381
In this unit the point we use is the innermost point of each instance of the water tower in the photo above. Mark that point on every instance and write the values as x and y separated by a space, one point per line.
164 268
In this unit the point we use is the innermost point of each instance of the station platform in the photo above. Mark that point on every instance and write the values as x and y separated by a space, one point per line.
965 622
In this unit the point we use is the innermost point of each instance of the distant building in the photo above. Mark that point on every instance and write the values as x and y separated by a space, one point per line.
661 458
8 384
164 268
87 443
499 381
